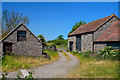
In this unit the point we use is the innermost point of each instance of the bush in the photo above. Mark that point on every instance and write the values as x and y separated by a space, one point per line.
67 50
85 54
60 51
109 53
58 42
75 52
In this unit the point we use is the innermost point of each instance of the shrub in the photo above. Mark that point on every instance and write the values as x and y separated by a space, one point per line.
67 50
60 51
85 54
75 52
109 53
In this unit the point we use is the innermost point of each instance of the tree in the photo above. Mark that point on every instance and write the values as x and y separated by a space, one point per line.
77 25
11 20
41 37
60 37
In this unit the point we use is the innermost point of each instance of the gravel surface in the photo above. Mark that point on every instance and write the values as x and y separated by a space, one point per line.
57 69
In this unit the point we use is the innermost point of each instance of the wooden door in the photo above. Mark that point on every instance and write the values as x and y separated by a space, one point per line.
7 48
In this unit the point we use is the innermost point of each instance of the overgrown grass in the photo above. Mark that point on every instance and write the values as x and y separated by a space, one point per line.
68 58
92 68
62 47
12 62
53 54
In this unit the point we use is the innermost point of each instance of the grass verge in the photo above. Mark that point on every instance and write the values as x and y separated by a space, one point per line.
62 47
13 63
68 58
92 68
54 56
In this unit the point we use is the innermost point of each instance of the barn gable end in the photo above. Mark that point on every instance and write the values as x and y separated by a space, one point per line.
31 46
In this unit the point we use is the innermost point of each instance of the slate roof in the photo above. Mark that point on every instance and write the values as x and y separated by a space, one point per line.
111 34
92 26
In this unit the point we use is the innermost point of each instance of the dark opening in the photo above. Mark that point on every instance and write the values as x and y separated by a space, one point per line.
115 45
7 48
71 46
21 36
78 43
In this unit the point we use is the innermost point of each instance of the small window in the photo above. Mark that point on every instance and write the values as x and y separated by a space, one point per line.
21 36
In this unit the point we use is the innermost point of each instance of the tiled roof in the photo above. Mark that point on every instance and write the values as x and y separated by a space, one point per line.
111 34
92 26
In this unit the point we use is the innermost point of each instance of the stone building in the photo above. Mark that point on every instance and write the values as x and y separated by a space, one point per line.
96 35
21 41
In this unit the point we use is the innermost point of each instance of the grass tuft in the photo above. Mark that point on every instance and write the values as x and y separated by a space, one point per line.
12 62
92 68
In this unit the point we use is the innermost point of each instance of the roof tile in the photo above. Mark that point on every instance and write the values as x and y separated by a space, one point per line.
111 34
92 26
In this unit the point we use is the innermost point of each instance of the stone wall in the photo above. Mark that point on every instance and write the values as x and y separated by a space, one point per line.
1 48
29 47
98 46
98 32
72 38
86 42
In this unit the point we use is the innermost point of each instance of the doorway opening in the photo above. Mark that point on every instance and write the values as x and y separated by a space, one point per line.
71 46
7 48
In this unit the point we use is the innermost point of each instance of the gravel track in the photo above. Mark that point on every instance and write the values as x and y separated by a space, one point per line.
57 69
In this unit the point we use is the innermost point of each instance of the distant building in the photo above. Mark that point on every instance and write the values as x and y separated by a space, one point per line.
21 41
96 35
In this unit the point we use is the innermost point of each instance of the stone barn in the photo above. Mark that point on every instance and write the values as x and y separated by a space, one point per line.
21 41
96 35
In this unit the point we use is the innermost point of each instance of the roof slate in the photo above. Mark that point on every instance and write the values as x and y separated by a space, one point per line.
92 26
111 34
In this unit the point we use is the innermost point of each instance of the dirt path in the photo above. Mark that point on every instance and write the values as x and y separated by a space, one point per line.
57 69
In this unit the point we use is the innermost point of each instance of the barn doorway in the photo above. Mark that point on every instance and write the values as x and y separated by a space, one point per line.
78 43
71 46
7 48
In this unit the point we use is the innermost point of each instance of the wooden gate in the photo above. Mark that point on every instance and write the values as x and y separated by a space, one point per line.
7 48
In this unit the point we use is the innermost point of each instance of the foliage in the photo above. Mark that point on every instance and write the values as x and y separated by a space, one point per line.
59 41
14 62
89 67
52 53
52 47
60 37
4 76
11 19
109 53
29 77
77 25
67 50
41 37
60 51
75 52
63 46
85 54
